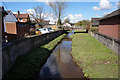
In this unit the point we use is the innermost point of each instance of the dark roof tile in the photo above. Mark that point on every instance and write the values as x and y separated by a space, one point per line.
21 15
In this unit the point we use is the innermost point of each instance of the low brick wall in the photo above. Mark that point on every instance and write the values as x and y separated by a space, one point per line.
111 43
14 49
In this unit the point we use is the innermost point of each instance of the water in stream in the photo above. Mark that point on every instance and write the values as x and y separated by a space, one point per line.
60 64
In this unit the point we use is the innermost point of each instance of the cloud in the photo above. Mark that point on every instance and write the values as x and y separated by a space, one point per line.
74 18
104 14
103 5
118 5
53 0
47 1
52 18
30 11
48 16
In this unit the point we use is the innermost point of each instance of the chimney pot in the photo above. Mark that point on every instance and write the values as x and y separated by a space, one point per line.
18 12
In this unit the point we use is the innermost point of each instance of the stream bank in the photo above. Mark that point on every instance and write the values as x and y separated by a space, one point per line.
60 64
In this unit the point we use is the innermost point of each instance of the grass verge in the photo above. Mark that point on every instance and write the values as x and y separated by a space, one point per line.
28 66
80 31
96 60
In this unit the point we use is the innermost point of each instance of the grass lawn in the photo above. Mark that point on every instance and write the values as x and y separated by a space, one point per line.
28 66
82 30
96 60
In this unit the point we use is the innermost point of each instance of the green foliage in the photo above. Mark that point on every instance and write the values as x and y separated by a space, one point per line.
82 30
82 23
87 27
92 21
86 75
79 23
94 29
95 26
28 66
85 22
96 60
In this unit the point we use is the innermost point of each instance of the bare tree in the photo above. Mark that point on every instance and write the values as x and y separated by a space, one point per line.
58 8
38 14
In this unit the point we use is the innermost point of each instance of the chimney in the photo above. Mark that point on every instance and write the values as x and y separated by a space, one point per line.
18 12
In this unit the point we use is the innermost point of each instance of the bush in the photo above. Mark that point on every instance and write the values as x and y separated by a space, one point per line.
94 29
87 27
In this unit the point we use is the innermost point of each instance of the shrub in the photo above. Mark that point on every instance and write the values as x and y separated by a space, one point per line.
87 27
94 29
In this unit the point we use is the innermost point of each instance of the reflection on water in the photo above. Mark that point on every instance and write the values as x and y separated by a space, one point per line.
60 63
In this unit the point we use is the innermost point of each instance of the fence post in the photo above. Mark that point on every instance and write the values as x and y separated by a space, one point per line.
113 43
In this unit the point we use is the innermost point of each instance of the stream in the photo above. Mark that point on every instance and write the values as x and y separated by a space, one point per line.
60 64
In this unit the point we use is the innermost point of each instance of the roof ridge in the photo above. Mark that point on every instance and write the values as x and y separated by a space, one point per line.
114 13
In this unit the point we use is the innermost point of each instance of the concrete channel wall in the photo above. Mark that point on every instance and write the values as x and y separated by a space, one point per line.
14 49
111 43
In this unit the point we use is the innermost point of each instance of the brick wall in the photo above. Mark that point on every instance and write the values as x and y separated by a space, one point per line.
110 30
110 27
21 31
11 28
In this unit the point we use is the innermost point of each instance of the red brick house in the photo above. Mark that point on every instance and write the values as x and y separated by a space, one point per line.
22 17
17 27
110 24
